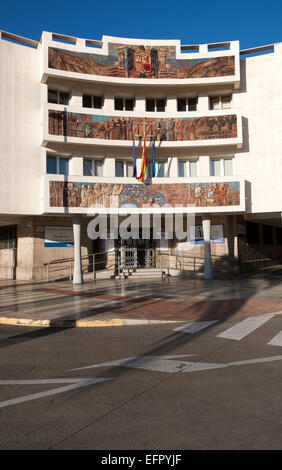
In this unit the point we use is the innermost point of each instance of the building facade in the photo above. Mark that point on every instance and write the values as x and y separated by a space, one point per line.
74 111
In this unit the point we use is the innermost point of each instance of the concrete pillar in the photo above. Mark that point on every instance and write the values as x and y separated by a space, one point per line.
77 269
206 221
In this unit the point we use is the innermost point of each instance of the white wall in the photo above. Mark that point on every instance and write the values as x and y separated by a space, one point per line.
19 129
260 101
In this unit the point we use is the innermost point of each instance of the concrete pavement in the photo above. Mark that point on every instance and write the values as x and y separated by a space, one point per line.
142 301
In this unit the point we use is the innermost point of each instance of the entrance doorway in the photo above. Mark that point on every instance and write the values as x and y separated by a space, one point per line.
135 253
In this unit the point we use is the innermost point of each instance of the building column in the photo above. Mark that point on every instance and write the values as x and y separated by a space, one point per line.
77 269
206 221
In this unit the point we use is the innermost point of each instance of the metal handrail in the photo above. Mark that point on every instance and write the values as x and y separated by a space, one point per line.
70 261
180 258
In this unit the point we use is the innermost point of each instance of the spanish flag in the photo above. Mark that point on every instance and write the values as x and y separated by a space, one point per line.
143 164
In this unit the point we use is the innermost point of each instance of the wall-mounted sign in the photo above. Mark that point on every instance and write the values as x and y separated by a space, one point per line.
58 237
197 235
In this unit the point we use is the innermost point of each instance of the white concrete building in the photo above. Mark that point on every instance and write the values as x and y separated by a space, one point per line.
70 109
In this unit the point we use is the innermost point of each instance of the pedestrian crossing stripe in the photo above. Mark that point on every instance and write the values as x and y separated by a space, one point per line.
235 332
245 327
195 326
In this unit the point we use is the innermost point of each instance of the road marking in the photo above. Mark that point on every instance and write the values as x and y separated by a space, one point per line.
277 340
170 365
154 363
245 327
75 383
195 326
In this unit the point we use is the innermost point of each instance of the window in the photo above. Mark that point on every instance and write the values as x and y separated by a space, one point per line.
222 166
57 165
90 101
58 97
160 168
155 104
220 102
187 168
187 104
8 237
92 167
124 168
124 104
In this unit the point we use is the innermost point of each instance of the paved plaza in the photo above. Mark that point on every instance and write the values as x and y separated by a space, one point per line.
115 302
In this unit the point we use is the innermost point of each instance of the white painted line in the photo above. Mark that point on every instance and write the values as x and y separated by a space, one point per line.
277 340
172 364
245 327
195 326
76 383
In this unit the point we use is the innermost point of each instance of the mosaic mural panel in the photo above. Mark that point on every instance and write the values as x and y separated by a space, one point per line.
123 128
66 194
140 62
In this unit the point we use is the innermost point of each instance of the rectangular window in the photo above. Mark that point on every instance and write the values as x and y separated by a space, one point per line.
187 104
58 97
182 168
8 237
160 168
129 104
187 168
63 98
181 104
57 165
150 105
118 104
92 167
124 104
52 96
220 102
119 169
192 104
221 167
216 168
52 165
193 169
228 167
89 101
155 104
63 166
97 102
124 169
225 102
160 105
129 169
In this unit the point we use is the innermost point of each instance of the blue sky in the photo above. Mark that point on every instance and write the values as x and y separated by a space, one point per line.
253 23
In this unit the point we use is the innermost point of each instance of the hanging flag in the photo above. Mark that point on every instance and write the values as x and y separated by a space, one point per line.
143 163
154 158
134 155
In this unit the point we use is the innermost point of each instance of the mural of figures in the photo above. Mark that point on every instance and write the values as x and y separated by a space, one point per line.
140 62
108 195
122 128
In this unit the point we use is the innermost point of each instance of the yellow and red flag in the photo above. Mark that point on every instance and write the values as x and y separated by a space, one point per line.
143 163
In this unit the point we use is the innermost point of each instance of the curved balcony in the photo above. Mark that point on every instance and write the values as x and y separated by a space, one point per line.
221 127
89 195
137 61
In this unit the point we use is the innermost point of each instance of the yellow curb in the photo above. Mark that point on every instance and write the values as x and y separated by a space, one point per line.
63 323
81 323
